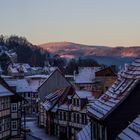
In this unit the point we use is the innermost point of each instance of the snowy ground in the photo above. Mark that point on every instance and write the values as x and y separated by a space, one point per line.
38 132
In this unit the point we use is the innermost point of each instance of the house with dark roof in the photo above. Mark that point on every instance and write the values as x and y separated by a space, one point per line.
118 106
52 87
55 81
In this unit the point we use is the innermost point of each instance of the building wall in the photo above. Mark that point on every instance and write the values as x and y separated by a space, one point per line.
106 81
5 117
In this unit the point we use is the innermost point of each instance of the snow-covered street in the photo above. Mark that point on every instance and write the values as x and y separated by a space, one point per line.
38 132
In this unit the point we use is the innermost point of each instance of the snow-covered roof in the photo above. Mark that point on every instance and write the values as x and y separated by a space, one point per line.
84 94
51 99
35 84
85 75
85 133
122 87
21 85
38 76
132 132
5 92
35 81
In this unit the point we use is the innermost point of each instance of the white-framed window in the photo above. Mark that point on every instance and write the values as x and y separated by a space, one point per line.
14 107
14 125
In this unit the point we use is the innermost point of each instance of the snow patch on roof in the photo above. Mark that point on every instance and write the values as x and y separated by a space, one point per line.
21 85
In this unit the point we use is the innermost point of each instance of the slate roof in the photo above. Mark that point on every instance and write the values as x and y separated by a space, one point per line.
127 79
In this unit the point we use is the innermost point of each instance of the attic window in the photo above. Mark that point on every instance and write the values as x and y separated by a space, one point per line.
78 102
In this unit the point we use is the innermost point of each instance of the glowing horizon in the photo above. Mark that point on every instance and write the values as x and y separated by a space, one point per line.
90 22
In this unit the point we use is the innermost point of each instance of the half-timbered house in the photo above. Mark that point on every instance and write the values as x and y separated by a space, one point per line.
10 112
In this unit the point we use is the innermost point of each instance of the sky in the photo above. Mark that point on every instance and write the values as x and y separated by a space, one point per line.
92 22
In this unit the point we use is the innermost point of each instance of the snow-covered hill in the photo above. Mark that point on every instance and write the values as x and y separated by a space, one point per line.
68 49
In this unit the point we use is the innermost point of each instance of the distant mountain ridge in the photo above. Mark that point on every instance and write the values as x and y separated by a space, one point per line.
72 50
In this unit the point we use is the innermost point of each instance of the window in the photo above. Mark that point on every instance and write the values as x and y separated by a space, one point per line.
60 115
64 116
4 105
29 95
74 117
78 102
14 124
34 95
0 125
94 130
34 110
69 117
14 107
83 118
102 133
69 101
78 119
7 102
74 103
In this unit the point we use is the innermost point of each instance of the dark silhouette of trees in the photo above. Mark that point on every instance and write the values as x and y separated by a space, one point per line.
73 65
87 62
26 52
